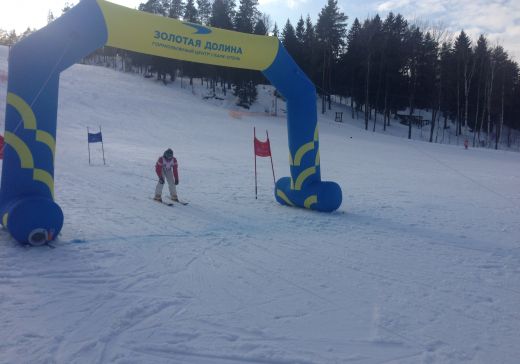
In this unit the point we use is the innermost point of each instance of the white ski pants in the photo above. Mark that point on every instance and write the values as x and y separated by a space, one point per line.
168 177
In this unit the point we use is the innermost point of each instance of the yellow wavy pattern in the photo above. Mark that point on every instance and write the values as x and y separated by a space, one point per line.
47 139
310 201
284 197
23 108
23 151
303 176
307 147
21 148
44 177
29 120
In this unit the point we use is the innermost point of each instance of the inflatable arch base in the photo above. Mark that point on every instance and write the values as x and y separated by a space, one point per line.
33 220
324 196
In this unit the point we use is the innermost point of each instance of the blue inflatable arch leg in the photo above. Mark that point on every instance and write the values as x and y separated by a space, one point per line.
304 188
27 207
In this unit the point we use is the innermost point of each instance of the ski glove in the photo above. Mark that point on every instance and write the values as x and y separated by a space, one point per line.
176 182
161 180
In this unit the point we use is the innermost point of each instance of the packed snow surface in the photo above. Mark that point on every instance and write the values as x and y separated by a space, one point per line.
421 263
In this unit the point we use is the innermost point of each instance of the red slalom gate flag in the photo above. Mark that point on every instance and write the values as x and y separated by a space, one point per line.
262 149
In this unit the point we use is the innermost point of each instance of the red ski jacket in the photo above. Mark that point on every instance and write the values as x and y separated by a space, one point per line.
164 164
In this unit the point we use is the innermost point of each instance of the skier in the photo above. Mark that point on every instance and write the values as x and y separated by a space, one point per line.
166 169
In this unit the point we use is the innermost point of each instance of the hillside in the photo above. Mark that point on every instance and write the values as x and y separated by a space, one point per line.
419 265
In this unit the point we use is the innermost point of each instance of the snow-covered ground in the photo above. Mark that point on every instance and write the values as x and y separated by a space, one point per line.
421 263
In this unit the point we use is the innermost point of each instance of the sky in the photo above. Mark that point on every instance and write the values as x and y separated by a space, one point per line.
498 19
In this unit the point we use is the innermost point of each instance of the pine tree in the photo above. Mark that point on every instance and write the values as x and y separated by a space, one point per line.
231 8
245 87
220 16
50 17
190 12
246 15
3 37
310 61
266 19
154 7
431 79
276 31
331 30
389 61
300 31
370 35
448 94
381 39
26 33
309 36
300 38
481 64
176 10
67 7
510 83
498 59
12 38
465 69
204 10
396 60
260 28
351 63
289 39
413 46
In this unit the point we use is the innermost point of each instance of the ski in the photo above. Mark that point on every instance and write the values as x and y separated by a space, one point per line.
163 202
184 203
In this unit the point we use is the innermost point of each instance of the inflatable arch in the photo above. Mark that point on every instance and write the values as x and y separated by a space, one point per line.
27 207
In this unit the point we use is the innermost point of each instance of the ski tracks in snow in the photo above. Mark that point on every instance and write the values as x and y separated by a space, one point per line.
418 266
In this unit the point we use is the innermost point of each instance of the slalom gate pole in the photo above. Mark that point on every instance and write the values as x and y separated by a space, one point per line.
254 152
88 144
102 146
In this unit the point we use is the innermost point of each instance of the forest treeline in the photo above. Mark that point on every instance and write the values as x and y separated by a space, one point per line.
385 68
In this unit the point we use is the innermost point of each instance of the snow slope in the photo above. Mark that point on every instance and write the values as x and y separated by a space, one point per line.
421 263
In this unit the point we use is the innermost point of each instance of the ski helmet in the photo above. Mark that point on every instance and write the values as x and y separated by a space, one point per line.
168 154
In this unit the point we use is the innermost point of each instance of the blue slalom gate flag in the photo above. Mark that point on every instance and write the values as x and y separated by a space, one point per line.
95 138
